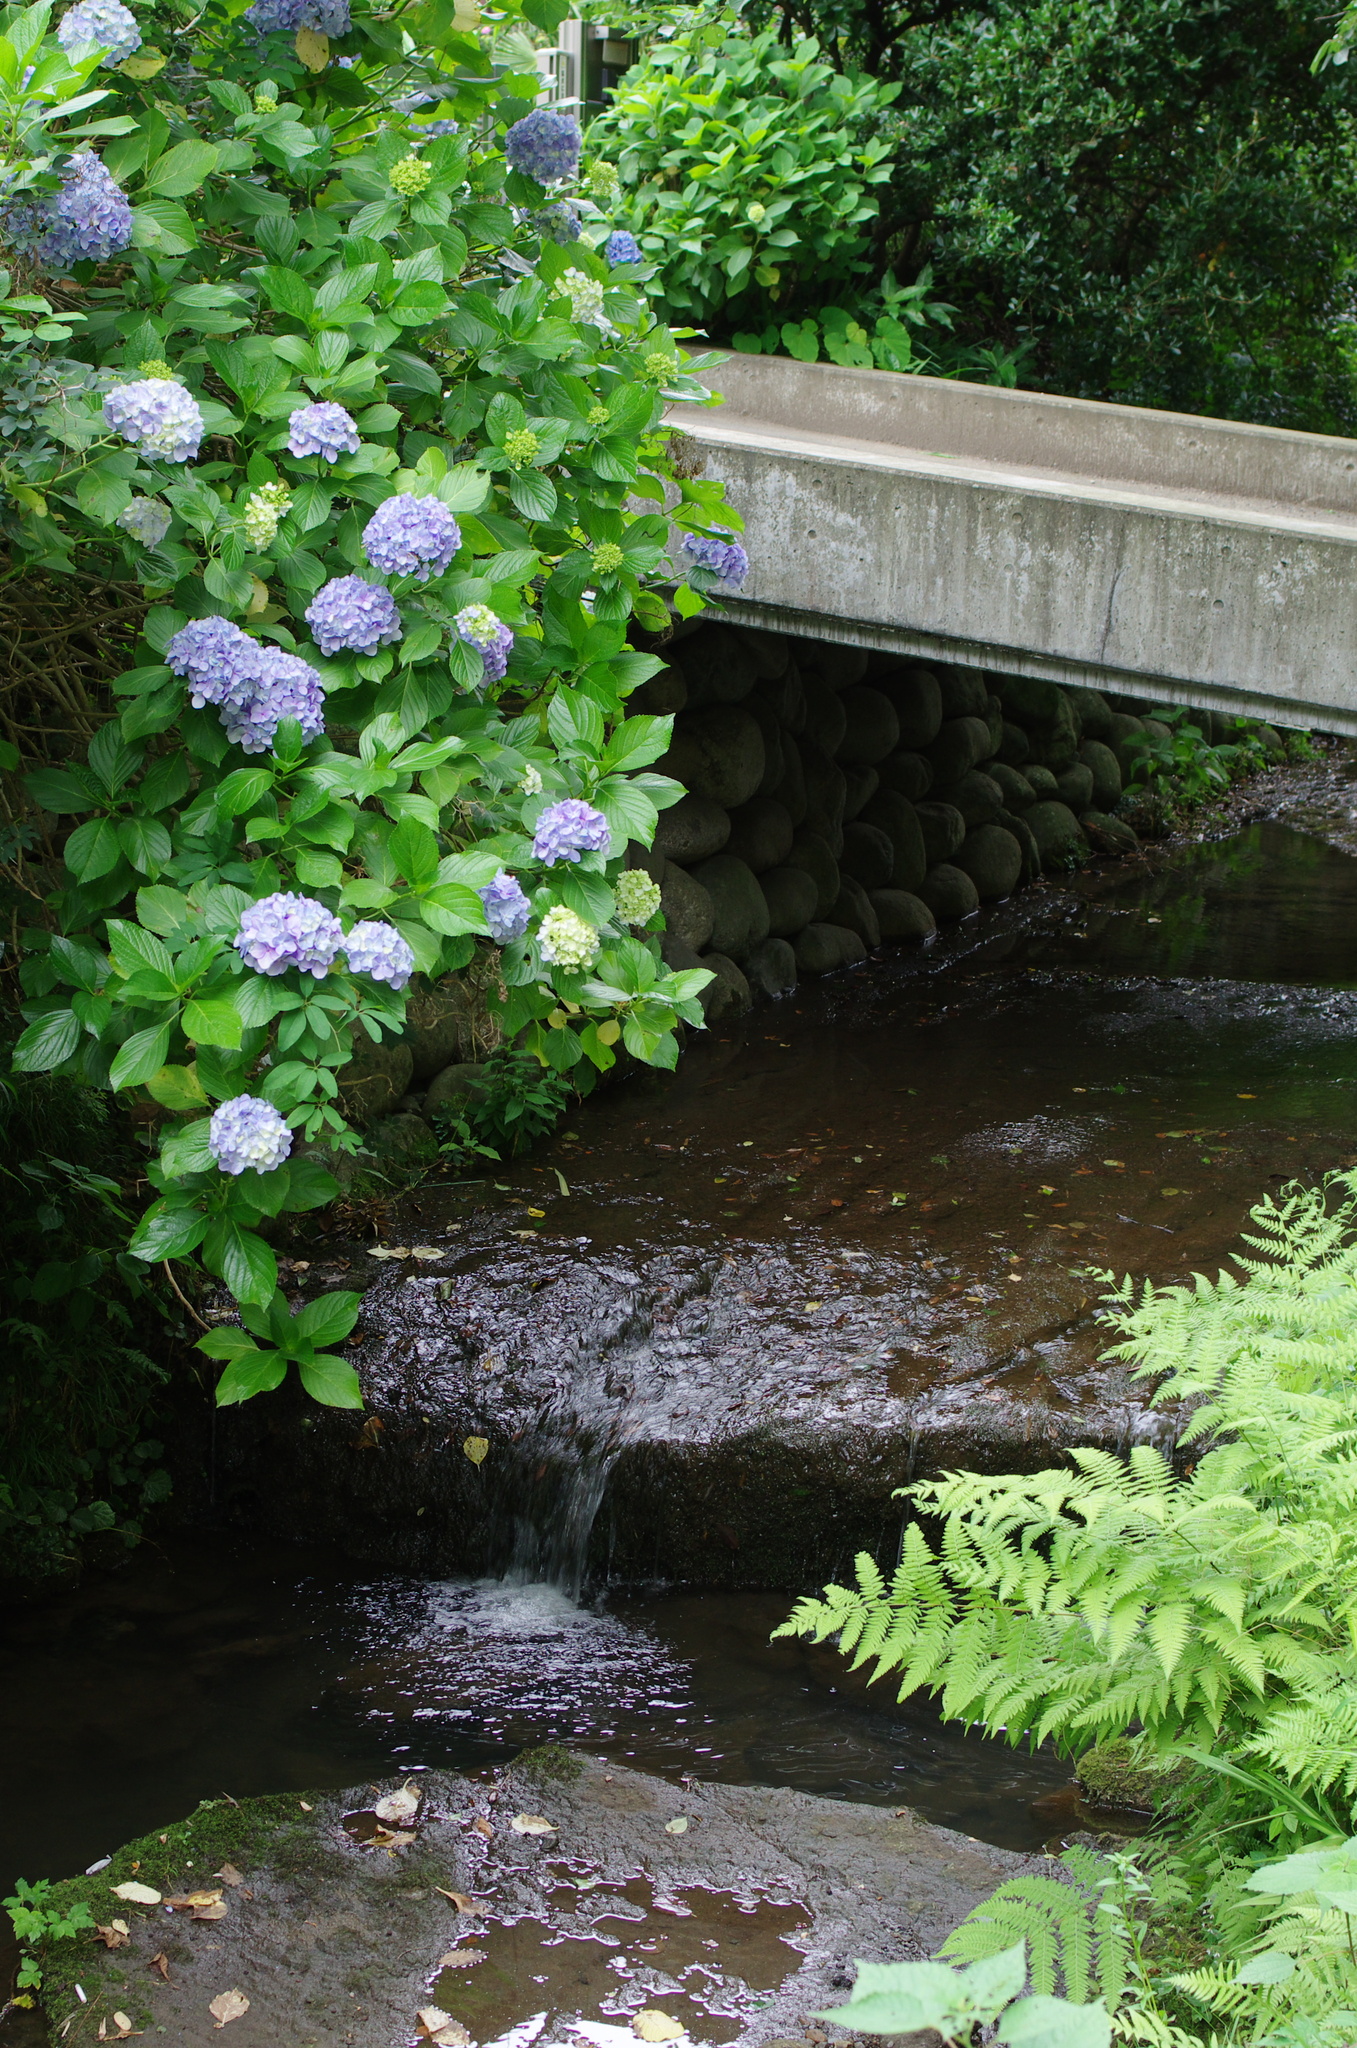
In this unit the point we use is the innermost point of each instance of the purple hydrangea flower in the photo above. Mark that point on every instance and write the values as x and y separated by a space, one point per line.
726 560
621 247
325 430
379 950
560 221
222 664
478 626
409 536
100 21
247 1135
568 829
327 17
507 909
434 129
349 613
89 220
545 145
156 416
285 686
146 519
287 930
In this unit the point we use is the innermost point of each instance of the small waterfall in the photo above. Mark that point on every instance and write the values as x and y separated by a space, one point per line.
553 1528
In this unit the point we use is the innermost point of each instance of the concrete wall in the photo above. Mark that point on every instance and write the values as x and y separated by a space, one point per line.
1187 560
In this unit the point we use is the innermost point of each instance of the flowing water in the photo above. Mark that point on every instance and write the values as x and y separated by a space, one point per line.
873 1211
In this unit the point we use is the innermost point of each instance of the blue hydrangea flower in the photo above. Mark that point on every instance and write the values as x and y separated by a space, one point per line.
89 220
285 686
327 17
568 829
146 519
432 131
247 1135
479 627
156 416
545 145
409 536
222 664
288 930
507 909
100 21
726 560
379 950
621 247
349 613
325 430
560 221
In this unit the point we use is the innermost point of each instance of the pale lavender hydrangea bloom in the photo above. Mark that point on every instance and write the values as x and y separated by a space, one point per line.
285 686
507 909
560 221
568 829
327 17
89 220
247 1135
726 560
379 950
325 430
478 626
287 930
156 416
621 247
349 613
146 519
434 129
222 664
409 536
100 21
545 145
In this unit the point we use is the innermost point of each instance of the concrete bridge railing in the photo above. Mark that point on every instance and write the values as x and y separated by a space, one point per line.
1189 560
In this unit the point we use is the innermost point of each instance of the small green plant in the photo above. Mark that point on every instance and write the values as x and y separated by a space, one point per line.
35 1922
516 1102
895 327
908 1998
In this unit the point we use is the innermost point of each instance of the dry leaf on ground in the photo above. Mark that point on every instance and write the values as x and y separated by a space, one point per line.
442 2029
391 1838
477 1449
461 1958
136 1894
400 1805
115 1935
482 1826
652 2025
227 2006
229 1874
161 1965
459 1900
677 1826
198 1904
532 1824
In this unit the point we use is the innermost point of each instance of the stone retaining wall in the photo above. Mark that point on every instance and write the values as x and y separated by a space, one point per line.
840 799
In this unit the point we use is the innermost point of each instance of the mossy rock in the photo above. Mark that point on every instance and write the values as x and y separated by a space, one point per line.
1121 1774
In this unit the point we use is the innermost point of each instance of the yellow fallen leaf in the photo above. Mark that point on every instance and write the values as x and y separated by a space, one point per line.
652 2025
461 1958
459 1900
388 1838
218 1910
399 1805
136 1894
532 1824
1170 1191
537 1212
426 1251
259 597
811 1307
442 2029
677 1826
477 1449
228 2006
313 48
189 1901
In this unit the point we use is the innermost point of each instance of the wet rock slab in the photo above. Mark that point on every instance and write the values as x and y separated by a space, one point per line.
736 1910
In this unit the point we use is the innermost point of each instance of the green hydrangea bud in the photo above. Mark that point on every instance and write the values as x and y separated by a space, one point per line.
659 365
638 898
521 445
410 176
598 415
264 510
155 367
608 558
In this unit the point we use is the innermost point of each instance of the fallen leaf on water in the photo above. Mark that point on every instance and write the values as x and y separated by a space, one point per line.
482 1826
399 1805
136 1894
537 1212
561 1178
459 1900
811 1307
113 1936
532 1824
1045 1191
389 1838
369 1436
1246 1098
161 1965
193 1902
1170 1191
651 2025
388 1251
1114 1162
426 1251
228 2006
677 1826
441 2028
229 1874
461 1958
477 1449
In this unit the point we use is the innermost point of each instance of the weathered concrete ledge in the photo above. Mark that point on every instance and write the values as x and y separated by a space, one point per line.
1196 561
336 1940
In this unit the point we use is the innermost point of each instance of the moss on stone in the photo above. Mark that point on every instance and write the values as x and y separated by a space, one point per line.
1122 1774
552 1762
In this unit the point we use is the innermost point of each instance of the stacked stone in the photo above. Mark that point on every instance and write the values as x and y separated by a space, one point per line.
840 799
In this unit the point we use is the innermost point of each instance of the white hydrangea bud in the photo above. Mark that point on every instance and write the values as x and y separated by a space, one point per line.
264 510
638 898
566 941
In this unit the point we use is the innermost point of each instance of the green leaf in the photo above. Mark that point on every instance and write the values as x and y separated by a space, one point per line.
141 1056
102 496
185 1150
288 292
132 948
177 1088
331 1381
1043 2022
414 851
145 843
531 493
210 1021
328 1319
182 169
168 1230
250 1372
49 1042
452 909
310 1186
242 1259
92 849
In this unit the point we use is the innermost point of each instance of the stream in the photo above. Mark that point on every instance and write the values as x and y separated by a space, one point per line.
873 1216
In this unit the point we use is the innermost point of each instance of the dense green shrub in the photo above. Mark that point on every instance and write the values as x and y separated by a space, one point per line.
1158 193
357 377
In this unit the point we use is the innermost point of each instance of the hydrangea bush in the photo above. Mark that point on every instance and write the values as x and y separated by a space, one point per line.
377 475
